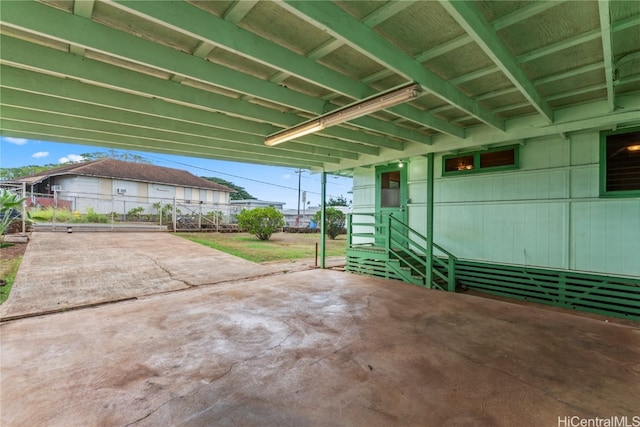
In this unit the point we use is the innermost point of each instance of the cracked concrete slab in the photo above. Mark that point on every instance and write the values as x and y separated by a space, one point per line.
60 271
315 348
306 348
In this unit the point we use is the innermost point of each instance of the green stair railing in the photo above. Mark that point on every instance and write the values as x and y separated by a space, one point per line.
405 250
409 247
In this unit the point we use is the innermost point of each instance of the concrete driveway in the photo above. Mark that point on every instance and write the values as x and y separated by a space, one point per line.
306 348
61 271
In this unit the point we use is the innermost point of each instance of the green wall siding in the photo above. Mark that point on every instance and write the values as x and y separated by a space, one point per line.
548 213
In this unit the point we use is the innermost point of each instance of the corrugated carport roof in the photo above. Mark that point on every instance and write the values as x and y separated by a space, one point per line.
212 79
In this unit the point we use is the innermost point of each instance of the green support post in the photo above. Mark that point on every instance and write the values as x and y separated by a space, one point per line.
323 219
349 231
429 254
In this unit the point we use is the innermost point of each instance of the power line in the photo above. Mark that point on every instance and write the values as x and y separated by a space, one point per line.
232 175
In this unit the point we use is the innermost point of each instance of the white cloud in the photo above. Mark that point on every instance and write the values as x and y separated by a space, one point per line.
40 154
286 176
16 141
71 158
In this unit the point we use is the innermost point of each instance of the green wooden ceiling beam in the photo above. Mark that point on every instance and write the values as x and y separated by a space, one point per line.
74 98
202 25
156 124
332 18
561 45
28 55
238 10
42 19
49 135
469 17
64 126
386 11
34 56
509 19
122 131
523 13
607 49
83 8
31 81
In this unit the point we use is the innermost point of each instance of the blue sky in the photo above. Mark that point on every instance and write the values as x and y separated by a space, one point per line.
264 182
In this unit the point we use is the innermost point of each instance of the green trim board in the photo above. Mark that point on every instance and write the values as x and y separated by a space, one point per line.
493 160
613 146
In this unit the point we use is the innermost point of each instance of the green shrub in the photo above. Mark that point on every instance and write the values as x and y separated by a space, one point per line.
335 221
135 213
262 222
93 216
9 203
47 214
215 216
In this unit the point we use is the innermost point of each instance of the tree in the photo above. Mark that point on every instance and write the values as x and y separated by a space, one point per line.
241 193
338 201
118 155
13 173
335 221
262 222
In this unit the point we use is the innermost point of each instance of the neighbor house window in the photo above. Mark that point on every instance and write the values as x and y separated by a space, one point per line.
502 158
620 163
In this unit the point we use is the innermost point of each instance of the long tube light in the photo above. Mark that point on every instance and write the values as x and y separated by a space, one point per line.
348 112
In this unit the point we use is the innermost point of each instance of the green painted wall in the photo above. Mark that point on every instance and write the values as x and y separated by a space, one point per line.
547 213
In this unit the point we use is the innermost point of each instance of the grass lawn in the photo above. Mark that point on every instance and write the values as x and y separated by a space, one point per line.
8 270
281 246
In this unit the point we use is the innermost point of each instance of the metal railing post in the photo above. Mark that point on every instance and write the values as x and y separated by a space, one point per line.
451 274
174 214
24 207
349 231
387 239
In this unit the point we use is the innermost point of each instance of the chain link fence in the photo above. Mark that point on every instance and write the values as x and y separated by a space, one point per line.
61 207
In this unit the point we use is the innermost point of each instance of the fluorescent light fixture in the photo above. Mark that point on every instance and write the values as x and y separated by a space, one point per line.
294 132
349 112
634 147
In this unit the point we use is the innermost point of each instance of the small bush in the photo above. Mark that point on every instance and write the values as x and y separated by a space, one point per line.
262 222
65 215
335 221
47 214
93 216
135 213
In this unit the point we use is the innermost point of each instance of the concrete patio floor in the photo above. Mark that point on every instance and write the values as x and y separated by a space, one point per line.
306 348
